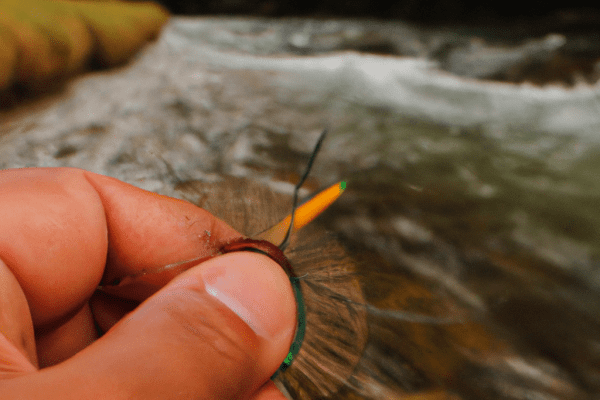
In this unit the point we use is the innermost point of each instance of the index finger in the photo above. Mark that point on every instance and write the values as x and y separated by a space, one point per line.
55 226
147 231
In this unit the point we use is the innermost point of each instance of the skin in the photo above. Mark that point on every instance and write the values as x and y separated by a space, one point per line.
216 331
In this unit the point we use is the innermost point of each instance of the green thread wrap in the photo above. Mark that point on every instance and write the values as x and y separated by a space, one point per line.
300 328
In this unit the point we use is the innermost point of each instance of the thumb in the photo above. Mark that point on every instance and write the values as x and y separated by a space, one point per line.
217 331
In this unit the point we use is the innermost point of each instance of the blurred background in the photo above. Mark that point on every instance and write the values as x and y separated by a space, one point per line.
468 133
447 12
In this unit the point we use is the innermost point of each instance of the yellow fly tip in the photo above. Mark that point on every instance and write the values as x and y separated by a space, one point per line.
305 213
315 206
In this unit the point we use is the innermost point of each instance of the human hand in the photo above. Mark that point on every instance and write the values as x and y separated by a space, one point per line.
218 330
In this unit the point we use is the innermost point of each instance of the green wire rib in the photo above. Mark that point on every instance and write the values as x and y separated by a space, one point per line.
300 329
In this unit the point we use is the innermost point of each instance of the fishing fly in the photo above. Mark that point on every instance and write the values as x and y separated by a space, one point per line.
330 345
266 243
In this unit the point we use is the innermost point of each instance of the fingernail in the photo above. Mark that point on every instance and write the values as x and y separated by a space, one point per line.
255 288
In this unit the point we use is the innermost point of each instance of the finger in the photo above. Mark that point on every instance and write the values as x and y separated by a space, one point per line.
53 238
17 343
59 341
219 330
56 223
147 231
269 392
108 309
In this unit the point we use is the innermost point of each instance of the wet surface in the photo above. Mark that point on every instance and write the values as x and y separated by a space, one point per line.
475 231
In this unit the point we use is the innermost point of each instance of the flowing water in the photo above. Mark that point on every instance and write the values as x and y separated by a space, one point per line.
472 210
